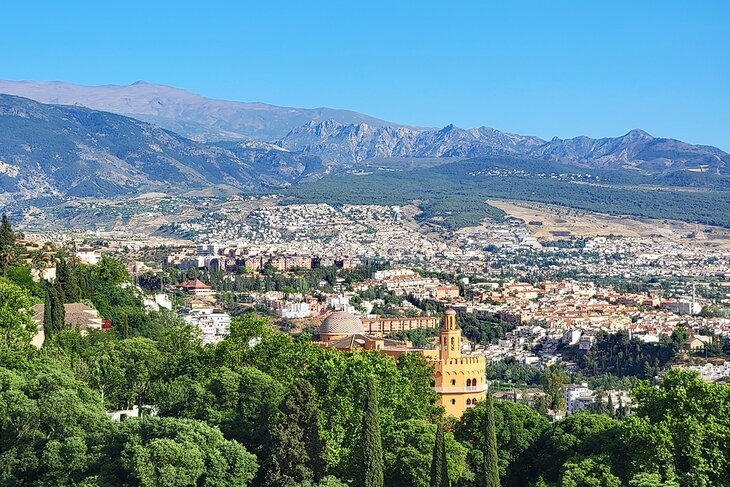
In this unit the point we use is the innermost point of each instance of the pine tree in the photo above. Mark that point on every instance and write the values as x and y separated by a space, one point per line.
439 466
372 447
297 451
491 462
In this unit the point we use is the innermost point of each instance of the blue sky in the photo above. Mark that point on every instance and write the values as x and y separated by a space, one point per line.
546 68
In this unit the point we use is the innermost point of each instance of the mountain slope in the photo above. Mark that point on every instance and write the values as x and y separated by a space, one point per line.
183 112
60 151
348 144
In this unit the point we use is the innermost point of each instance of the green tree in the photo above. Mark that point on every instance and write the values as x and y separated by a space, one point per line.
7 244
491 461
7 236
297 451
518 428
408 454
66 277
16 316
372 448
681 430
110 271
174 452
589 472
439 464
141 362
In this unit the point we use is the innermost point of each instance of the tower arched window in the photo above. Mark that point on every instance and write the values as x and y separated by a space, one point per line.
468 402
468 382
453 382
452 343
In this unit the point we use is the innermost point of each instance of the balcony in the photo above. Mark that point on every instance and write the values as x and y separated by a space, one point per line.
460 390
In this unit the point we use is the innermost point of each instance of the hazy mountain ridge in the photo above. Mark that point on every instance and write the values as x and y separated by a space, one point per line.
337 142
181 111
343 139
60 151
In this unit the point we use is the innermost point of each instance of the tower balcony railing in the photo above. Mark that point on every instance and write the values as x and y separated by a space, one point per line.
461 389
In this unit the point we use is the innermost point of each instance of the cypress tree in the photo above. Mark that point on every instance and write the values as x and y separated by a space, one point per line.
47 314
58 312
372 447
7 236
439 466
491 462
297 451
609 405
66 277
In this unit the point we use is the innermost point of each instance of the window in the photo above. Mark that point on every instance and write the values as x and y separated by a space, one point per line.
468 382
452 343
468 402
453 402
453 382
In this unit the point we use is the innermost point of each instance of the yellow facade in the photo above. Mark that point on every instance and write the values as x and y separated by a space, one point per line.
460 381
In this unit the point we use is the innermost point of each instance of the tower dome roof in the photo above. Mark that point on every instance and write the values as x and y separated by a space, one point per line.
341 323
450 311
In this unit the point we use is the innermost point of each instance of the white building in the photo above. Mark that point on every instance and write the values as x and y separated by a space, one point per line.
577 396
88 255
296 310
214 324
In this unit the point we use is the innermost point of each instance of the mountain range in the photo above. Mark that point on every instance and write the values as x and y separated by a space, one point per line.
54 151
189 114
636 150
67 149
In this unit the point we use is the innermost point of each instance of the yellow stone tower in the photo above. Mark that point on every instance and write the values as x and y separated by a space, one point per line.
460 380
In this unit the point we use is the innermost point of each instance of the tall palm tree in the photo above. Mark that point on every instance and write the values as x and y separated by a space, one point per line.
7 256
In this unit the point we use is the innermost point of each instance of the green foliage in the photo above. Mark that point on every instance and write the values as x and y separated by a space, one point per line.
16 316
456 193
482 331
418 337
517 429
52 427
110 271
618 355
439 465
588 472
491 461
372 448
175 452
681 431
408 454
297 451
553 380
578 436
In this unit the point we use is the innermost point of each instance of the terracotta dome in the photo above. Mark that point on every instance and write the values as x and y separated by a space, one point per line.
341 323
450 311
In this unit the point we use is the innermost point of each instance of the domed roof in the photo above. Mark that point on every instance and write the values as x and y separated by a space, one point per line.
341 323
450 311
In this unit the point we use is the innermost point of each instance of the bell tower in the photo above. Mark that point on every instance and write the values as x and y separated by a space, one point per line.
450 337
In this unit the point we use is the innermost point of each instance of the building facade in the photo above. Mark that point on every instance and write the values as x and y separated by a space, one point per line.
459 380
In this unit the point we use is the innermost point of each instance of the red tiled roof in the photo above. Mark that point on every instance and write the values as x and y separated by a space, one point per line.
195 284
